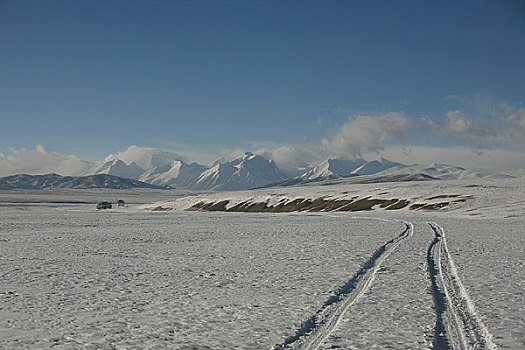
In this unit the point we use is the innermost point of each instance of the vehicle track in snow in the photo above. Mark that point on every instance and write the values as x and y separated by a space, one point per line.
458 325
316 329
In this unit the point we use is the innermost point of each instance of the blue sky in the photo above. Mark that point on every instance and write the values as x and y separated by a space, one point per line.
93 77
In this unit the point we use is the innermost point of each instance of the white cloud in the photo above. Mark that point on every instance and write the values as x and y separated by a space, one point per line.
473 132
516 122
200 155
41 161
146 157
517 117
367 133
360 135
293 158
482 122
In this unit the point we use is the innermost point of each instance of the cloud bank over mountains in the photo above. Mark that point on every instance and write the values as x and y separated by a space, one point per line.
460 125
482 132
367 133
145 157
481 123
41 161
293 160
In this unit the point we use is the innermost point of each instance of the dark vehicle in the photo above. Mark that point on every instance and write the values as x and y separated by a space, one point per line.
120 203
104 205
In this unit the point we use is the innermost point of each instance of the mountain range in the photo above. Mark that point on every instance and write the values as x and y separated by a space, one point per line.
52 181
251 171
342 167
244 172
247 171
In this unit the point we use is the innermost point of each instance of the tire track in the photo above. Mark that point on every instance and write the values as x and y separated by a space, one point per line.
316 329
440 340
458 325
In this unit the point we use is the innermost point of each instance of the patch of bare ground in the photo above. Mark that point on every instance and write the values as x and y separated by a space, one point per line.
212 206
301 204
326 205
161 208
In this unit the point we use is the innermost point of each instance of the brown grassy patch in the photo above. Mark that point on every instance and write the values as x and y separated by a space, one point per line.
316 205
160 208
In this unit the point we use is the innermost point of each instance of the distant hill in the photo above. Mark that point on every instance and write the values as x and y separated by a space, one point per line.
353 179
50 181
340 170
341 167
332 168
445 172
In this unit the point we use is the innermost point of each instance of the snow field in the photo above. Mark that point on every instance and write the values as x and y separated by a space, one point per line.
74 277
135 280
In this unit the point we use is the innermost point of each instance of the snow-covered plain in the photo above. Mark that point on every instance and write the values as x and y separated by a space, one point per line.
74 277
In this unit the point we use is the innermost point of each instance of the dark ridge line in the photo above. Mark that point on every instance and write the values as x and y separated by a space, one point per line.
310 324
440 340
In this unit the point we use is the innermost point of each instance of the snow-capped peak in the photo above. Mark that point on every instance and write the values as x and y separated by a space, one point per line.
247 171
175 174
117 167
375 166
333 167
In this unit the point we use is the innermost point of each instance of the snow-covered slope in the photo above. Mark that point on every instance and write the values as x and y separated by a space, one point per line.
118 168
245 172
333 167
145 157
341 167
174 174
467 197
374 167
